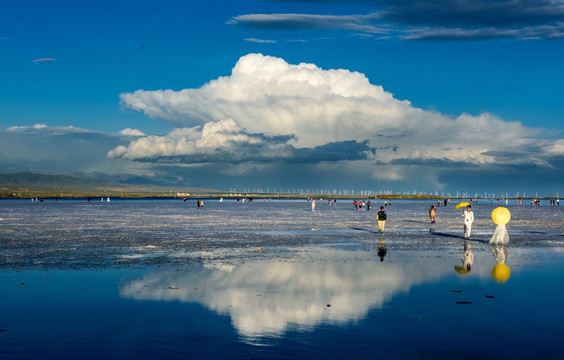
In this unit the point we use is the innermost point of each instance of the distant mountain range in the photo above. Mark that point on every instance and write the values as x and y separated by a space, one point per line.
27 178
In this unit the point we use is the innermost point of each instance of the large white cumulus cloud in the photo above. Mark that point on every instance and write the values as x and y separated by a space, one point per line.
224 141
201 144
266 94
286 108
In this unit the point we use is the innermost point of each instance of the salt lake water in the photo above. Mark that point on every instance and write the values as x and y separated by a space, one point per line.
145 279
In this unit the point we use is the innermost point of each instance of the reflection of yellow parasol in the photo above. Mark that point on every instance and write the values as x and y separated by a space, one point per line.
501 273
461 204
461 270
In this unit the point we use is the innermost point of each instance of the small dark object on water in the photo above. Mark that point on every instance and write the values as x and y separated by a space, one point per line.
328 305
490 297
457 291
3 330
463 302
22 284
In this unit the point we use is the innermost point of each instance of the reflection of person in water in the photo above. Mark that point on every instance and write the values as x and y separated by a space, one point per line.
381 249
467 259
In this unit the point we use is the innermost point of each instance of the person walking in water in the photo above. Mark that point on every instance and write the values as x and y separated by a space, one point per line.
433 214
468 220
381 216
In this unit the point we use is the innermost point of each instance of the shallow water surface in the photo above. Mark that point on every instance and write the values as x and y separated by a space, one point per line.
163 279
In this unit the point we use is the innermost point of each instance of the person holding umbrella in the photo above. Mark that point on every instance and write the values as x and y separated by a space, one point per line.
468 220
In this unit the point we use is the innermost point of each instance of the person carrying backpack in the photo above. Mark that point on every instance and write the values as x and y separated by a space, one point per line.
381 216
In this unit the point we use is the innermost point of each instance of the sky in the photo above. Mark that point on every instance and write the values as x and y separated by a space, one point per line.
398 96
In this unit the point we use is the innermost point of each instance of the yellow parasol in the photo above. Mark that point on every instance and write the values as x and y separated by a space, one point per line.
501 216
461 204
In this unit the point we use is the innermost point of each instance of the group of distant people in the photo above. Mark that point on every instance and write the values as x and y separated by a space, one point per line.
360 204
314 202
537 202
101 199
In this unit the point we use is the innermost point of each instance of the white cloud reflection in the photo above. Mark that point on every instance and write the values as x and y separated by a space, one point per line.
266 298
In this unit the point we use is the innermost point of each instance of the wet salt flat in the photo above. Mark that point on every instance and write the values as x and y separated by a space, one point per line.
163 279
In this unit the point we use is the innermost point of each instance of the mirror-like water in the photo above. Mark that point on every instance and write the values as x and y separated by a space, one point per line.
163 279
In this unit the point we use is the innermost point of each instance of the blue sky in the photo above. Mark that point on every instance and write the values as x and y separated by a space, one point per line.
402 96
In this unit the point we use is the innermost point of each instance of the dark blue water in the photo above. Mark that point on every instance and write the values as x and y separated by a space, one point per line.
163 279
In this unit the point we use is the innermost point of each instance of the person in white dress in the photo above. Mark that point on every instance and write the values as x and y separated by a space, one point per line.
468 220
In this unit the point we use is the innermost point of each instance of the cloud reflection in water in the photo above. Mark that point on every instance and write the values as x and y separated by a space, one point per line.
265 298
